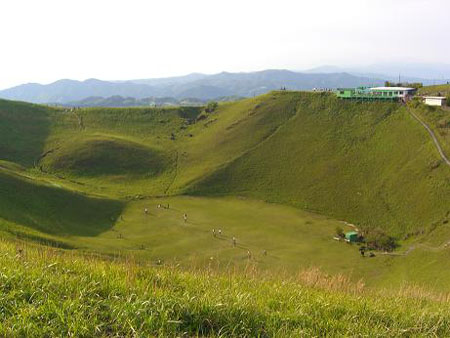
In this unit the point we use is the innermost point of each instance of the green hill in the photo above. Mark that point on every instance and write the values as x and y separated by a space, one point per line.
24 129
99 155
280 172
437 118
53 210
443 89
369 164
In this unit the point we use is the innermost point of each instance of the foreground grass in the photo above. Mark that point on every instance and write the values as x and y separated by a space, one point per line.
45 292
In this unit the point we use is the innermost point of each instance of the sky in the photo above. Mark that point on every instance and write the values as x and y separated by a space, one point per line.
46 40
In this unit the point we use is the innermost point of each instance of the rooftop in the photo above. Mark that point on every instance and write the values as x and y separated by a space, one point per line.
392 88
435 97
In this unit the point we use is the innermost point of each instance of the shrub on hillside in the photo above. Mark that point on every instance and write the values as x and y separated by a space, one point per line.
444 123
377 239
340 232
415 102
211 106
202 116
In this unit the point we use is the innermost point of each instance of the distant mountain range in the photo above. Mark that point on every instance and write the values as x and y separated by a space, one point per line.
120 101
194 86
411 72
202 87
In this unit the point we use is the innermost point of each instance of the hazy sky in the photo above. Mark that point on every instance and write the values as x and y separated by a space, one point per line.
46 40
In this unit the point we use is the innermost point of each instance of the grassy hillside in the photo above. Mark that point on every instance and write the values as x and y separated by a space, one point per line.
52 293
98 169
370 164
24 128
277 237
99 155
443 89
438 119
53 210
229 132
189 144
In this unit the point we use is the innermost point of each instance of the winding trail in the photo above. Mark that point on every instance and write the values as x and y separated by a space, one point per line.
433 136
175 176
417 246
79 118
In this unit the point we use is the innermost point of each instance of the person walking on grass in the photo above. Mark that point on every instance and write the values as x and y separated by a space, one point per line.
185 218
220 232
214 232
362 251
146 211
234 241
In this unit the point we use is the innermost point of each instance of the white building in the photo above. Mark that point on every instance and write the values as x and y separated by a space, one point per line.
394 92
434 100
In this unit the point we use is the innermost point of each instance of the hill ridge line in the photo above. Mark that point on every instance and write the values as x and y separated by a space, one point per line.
252 148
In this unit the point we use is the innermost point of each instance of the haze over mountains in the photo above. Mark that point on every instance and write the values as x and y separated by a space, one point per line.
197 87
422 72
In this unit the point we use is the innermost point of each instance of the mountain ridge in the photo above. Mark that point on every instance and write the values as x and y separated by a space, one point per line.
199 86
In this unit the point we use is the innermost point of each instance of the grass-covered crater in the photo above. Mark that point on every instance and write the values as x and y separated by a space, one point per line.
104 156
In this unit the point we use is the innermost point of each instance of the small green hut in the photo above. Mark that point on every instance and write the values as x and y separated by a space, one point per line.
352 236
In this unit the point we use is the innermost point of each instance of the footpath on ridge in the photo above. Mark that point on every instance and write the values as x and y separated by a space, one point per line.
433 136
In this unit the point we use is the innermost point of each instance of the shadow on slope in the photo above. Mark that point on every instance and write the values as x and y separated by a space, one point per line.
24 127
54 210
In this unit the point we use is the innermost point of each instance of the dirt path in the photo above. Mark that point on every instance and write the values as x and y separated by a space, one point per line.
433 136
417 246
175 176
79 118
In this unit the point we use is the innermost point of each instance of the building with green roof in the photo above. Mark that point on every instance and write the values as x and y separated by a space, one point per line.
376 93
352 236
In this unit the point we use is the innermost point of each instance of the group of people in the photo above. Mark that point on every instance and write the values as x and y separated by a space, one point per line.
214 232
219 232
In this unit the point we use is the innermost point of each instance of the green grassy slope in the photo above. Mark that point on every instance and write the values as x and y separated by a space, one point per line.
117 152
99 155
232 130
444 90
290 237
52 293
24 128
438 119
369 164
149 125
190 149
366 163
54 210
